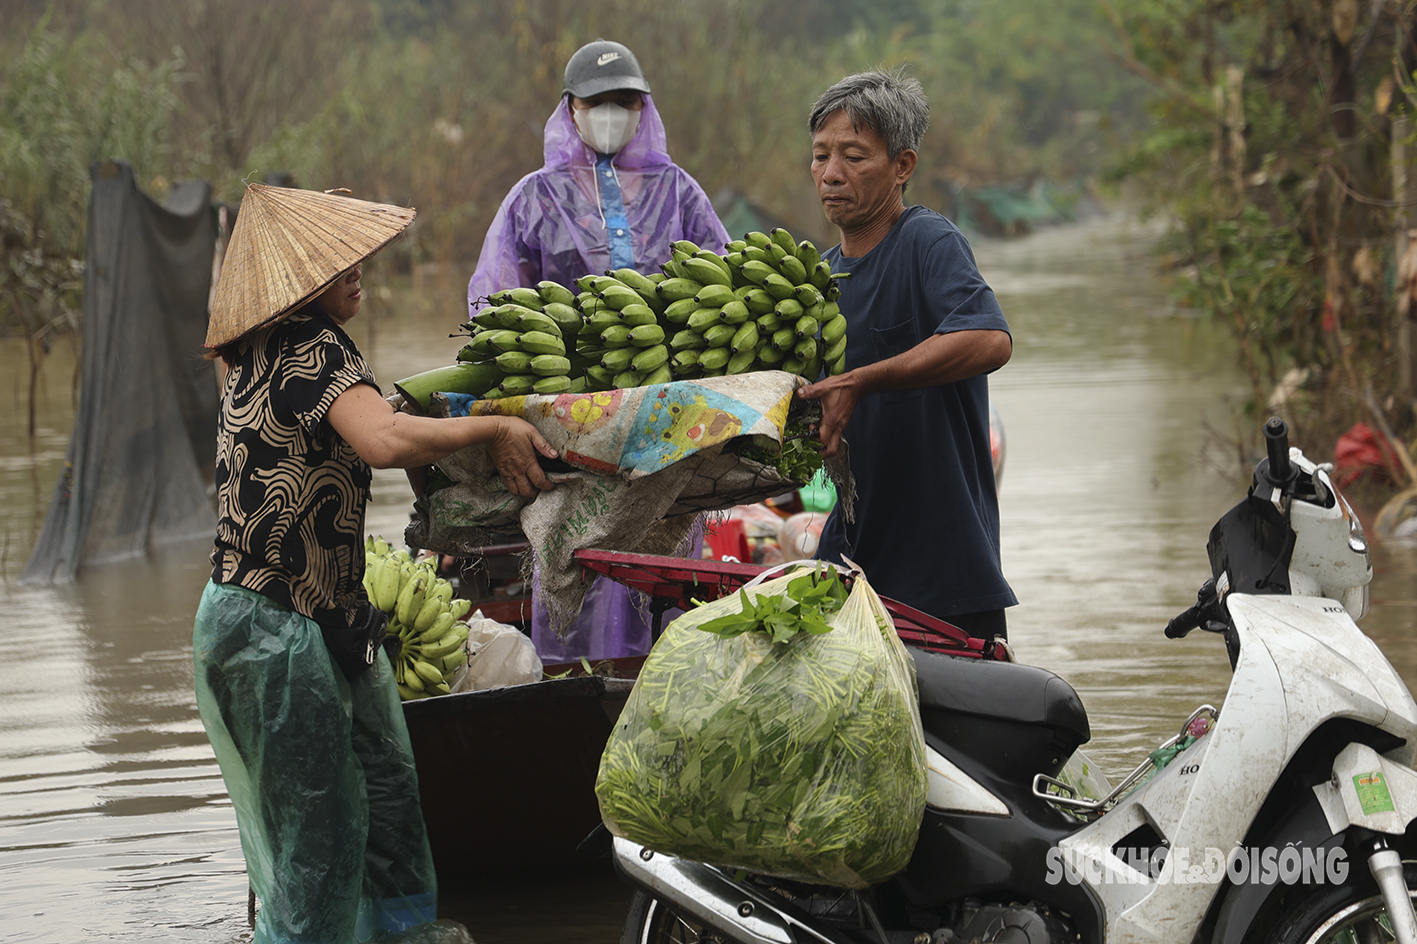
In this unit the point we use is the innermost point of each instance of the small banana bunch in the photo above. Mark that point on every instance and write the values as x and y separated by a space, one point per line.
522 335
432 642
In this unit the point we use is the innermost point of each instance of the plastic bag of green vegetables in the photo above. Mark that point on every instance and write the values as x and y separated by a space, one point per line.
777 731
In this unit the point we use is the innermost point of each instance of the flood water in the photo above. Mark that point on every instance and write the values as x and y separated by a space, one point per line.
114 823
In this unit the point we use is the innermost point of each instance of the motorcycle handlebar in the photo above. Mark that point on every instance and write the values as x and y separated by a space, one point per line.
1183 622
1276 439
1190 618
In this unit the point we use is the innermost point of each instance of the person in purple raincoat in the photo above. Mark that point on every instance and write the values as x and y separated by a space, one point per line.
607 197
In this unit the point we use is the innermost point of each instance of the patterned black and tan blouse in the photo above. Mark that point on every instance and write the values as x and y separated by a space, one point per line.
290 492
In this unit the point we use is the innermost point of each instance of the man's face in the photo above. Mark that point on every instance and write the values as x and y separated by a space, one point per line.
856 181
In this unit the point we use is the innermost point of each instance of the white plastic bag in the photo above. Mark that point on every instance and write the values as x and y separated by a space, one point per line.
498 655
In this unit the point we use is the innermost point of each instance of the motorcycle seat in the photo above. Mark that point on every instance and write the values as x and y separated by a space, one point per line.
1000 691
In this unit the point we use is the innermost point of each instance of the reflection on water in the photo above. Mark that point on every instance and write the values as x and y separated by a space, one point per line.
113 820
1109 493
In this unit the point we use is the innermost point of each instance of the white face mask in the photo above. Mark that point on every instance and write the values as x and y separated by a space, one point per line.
607 127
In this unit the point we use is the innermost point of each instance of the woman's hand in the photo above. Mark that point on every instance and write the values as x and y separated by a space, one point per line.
390 440
514 448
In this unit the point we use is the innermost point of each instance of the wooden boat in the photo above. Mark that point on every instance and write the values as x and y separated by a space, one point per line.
507 775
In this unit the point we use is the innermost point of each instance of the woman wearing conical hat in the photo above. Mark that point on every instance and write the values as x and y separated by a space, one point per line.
295 692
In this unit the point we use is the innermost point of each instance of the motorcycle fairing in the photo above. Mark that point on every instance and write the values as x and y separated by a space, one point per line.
715 898
1330 554
1370 791
953 790
1303 827
1261 726
996 858
1330 660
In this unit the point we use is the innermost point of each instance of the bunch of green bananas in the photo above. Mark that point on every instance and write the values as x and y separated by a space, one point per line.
768 304
623 337
522 335
423 616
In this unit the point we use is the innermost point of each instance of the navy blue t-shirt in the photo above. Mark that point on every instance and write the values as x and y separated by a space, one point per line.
927 514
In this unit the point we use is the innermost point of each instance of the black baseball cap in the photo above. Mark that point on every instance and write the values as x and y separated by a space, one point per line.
603 66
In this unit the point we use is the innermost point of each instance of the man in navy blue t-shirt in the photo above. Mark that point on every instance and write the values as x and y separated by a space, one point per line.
923 331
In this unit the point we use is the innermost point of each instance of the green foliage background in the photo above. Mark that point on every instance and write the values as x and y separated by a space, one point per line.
1262 129
1271 149
440 105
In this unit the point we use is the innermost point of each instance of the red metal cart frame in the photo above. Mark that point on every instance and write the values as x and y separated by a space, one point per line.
679 582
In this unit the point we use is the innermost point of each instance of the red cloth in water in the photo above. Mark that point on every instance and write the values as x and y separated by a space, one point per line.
1360 450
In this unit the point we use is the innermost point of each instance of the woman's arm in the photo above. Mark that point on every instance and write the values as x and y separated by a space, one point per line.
387 439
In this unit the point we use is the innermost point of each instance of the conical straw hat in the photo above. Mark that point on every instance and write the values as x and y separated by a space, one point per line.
289 246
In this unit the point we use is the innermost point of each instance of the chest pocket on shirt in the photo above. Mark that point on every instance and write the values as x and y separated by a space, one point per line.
888 342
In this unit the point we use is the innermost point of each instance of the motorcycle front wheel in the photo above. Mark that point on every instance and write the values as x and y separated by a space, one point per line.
651 921
1352 913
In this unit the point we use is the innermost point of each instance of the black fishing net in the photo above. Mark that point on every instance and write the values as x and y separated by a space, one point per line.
138 471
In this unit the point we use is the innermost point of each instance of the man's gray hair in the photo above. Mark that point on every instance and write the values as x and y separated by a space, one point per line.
889 103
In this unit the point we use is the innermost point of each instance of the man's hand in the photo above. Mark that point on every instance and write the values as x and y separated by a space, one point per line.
939 359
514 449
838 397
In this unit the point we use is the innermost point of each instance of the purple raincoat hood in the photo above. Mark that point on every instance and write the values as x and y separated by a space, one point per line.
551 226
564 147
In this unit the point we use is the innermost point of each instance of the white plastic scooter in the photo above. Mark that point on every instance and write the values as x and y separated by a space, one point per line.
1283 817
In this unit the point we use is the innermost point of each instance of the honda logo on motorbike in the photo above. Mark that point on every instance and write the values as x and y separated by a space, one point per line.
1290 865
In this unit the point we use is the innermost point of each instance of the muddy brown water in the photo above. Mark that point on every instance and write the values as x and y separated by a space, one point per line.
114 823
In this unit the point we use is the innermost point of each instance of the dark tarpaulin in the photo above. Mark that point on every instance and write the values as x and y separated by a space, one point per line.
139 467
